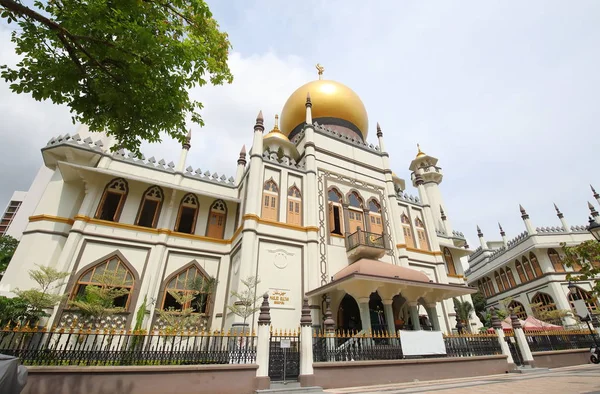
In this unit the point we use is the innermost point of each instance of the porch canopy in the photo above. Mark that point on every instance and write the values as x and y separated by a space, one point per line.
367 276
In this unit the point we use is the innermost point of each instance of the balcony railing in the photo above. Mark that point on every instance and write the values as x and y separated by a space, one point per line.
365 238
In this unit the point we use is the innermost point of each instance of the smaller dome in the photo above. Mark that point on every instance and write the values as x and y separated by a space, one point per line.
276 139
381 269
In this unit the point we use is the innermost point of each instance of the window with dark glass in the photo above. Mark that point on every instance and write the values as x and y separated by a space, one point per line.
112 272
150 207
112 201
187 215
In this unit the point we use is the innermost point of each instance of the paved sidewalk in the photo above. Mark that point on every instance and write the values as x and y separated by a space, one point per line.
583 379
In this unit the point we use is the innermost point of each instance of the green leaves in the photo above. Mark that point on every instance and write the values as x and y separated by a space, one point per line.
8 246
122 67
587 256
245 305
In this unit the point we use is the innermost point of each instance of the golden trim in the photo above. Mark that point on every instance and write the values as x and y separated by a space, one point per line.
400 246
336 235
424 251
256 218
193 236
50 218
455 276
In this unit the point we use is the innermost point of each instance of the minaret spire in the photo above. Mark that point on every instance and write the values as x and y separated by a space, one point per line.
308 109
320 70
558 212
525 217
596 195
482 241
562 218
380 138
593 210
241 165
503 234
185 147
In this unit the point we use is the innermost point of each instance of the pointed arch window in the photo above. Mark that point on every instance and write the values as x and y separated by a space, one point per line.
528 270
112 201
556 260
294 212
217 218
335 211
449 262
504 279
490 286
192 286
355 212
590 301
521 272
149 211
498 282
481 289
407 229
187 215
511 277
545 301
535 264
270 200
518 309
375 220
423 242
110 272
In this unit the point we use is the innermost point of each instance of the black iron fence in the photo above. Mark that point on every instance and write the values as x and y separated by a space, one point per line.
284 355
469 345
105 347
354 346
365 238
560 340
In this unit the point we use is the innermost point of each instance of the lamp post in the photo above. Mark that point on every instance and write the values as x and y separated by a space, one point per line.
594 229
459 325
573 290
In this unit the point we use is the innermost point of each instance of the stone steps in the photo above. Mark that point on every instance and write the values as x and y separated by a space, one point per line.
290 387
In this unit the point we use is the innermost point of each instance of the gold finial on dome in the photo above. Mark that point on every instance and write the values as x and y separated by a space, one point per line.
320 70
276 122
420 153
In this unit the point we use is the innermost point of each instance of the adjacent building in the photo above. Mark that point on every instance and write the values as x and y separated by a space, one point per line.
11 212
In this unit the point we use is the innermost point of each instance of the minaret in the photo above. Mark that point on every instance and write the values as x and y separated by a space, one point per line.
528 225
445 223
563 221
241 165
482 241
503 234
426 166
308 109
185 148
594 213
380 138
596 195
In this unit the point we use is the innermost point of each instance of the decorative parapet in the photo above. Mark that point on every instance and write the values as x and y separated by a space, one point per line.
441 233
284 160
76 140
161 165
74 319
206 176
458 234
346 138
408 198
498 252
548 230
517 240
476 253
579 229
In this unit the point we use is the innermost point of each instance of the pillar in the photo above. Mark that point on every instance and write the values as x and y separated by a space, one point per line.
521 340
329 326
433 316
414 315
365 316
389 316
527 221
497 326
262 345
306 377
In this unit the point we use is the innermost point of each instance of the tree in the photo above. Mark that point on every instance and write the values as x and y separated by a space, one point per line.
245 306
123 67
587 256
480 303
8 246
541 312
98 302
464 310
42 298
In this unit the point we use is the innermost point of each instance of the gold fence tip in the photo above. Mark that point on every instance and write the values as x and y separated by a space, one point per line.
253 333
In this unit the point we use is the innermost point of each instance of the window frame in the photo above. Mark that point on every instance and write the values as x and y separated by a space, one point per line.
173 276
294 199
183 204
157 210
123 197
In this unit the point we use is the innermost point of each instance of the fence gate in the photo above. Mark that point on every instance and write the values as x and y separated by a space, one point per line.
514 350
284 355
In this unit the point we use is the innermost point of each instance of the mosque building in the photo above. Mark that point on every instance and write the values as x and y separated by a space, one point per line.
313 209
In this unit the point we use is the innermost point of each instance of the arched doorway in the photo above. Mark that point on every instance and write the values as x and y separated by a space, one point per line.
376 313
348 317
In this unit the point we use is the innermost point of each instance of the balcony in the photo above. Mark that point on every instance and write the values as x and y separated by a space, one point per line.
363 244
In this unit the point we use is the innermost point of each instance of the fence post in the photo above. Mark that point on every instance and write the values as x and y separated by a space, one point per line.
329 325
521 340
497 326
262 345
306 377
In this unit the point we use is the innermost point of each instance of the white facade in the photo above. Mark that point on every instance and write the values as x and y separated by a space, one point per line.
290 244
529 268
10 216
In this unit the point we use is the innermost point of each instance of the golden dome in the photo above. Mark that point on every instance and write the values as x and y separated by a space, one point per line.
276 133
329 99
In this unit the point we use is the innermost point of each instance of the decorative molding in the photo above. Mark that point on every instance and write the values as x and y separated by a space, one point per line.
50 218
256 218
280 257
423 251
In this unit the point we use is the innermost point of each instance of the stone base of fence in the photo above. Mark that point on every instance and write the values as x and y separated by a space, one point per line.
307 380
225 379
561 358
364 373
263 382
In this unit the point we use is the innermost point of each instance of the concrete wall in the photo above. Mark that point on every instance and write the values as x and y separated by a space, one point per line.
561 358
362 373
223 379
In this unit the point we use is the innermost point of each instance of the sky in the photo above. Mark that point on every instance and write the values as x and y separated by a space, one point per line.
504 93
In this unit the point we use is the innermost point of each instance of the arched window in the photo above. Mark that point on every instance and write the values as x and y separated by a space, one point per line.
111 272
449 262
535 264
556 260
511 277
189 285
490 286
520 271
481 288
217 219
150 207
498 282
504 279
294 213
528 269
581 294
355 213
335 212
270 200
423 242
545 301
112 201
407 228
518 309
375 222
187 215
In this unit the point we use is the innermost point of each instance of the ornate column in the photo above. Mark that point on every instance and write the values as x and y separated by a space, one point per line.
329 326
306 377
389 316
521 340
414 315
365 316
497 326
262 345
433 316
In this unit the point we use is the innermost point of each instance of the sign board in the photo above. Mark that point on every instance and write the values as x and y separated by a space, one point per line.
422 343
279 297
285 343
580 308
